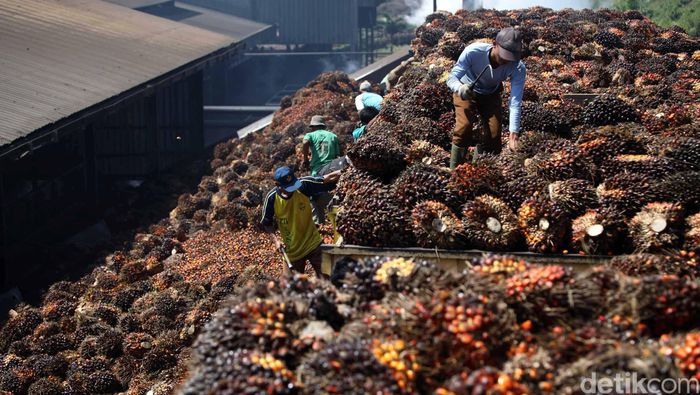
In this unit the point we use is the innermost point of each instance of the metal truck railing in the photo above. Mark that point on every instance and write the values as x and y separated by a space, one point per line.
454 260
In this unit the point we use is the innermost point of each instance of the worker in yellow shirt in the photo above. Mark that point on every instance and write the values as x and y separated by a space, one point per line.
288 205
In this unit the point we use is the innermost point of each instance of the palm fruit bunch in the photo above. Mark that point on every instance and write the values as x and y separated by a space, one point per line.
451 46
618 360
349 366
401 360
608 39
261 323
489 224
653 166
692 233
351 179
662 303
499 267
421 128
453 329
560 160
573 194
608 110
358 278
544 120
511 164
645 264
656 227
421 182
410 277
531 365
684 352
681 187
603 143
487 380
598 232
430 99
685 150
517 191
393 268
545 294
378 154
22 322
244 371
544 223
473 323
436 225
372 217
627 192
421 151
474 179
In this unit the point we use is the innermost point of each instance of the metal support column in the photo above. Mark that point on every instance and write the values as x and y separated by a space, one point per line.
153 131
197 108
3 237
91 171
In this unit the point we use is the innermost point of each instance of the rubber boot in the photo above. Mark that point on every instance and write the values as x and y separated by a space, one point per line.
457 156
477 151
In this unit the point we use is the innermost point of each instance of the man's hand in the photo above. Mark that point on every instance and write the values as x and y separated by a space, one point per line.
332 177
514 141
278 242
466 91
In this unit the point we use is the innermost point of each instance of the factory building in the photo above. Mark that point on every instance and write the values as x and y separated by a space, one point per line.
91 93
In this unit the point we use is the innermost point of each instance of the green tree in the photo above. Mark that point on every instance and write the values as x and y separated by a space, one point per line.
684 13
391 26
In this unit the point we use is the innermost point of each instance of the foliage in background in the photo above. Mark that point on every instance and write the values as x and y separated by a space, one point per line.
684 13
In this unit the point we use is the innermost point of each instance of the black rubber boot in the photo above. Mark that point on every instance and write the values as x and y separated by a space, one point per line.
457 156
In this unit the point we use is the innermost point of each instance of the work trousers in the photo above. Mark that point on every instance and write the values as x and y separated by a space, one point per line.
489 108
314 258
319 205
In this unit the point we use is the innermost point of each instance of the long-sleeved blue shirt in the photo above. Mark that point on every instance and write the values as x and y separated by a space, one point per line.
473 60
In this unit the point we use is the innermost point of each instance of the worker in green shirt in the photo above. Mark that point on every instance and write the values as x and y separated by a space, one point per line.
288 205
322 147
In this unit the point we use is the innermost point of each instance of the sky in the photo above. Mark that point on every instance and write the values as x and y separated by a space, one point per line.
454 5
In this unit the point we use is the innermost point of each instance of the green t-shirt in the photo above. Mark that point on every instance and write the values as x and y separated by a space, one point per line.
324 148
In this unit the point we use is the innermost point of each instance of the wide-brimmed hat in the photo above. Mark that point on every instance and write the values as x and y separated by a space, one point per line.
284 176
510 42
317 120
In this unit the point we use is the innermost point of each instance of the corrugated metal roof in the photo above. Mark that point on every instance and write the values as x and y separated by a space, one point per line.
58 57
205 18
230 25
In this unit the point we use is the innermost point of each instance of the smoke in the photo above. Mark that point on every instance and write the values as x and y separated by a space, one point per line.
343 63
426 6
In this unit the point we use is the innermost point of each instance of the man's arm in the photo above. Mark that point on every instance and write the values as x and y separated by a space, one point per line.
268 212
459 70
332 178
358 103
306 150
517 86
312 186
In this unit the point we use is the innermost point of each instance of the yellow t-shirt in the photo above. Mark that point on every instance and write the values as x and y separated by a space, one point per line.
295 223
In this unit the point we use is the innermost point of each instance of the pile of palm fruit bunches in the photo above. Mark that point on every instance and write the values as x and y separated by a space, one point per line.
196 304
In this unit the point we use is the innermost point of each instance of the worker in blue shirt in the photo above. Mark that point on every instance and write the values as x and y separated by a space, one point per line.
477 82
366 116
368 98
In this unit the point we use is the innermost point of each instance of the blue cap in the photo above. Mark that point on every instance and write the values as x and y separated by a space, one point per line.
284 176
